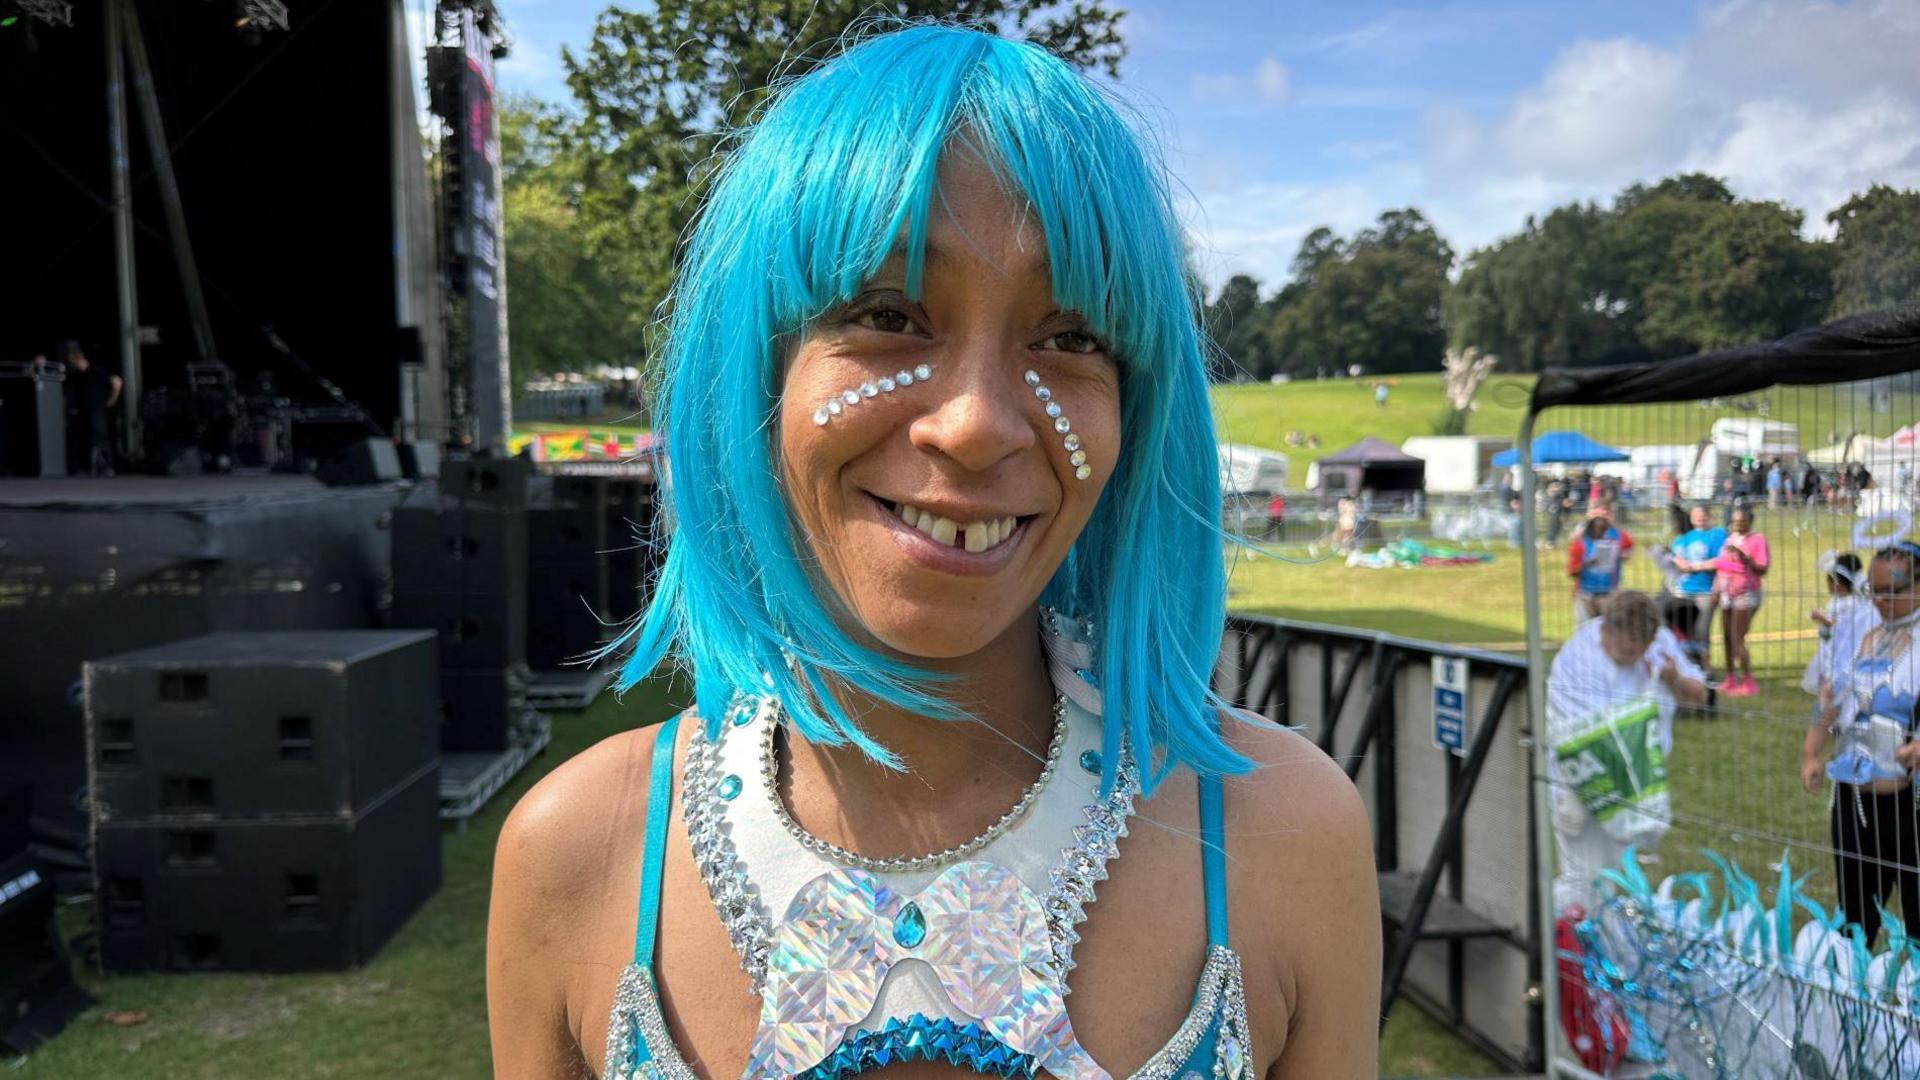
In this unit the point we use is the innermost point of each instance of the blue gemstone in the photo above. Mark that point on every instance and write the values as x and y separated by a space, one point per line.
729 786
910 929
1090 760
742 717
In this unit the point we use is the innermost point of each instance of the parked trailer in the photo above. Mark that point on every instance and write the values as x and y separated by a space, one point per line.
1457 464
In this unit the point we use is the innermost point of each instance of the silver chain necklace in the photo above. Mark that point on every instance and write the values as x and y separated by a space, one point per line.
769 771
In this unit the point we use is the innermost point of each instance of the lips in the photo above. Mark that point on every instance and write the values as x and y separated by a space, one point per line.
973 536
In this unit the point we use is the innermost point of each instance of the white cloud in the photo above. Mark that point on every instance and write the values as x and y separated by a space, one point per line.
1268 82
1800 101
1605 108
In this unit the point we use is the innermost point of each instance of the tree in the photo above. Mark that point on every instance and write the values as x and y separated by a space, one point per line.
1544 298
1877 250
1374 301
656 89
567 314
1230 324
1743 275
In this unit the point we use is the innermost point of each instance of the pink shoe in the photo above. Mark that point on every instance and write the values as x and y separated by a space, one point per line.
1741 688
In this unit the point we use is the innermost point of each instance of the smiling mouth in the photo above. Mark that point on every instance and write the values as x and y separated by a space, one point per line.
971 536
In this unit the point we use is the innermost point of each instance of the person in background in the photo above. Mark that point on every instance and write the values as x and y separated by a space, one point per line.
1559 504
1694 552
1380 394
1611 695
1844 623
1776 485
1595 558
1868 707
1742 564
1277 517
92 392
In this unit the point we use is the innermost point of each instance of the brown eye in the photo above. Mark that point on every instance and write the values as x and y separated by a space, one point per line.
885 320
1074 341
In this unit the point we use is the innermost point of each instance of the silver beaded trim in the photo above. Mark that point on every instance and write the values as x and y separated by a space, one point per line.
1084 864
769 767
854 395
636 1008
1219 985
735 897
1076 457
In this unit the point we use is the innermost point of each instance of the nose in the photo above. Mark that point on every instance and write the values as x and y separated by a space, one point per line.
979 419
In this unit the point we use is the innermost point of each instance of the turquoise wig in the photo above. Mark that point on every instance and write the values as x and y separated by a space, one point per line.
810 202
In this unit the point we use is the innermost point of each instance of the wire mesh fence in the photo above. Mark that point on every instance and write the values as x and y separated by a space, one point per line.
1724 590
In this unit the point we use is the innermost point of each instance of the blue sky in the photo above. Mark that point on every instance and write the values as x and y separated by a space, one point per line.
1278 117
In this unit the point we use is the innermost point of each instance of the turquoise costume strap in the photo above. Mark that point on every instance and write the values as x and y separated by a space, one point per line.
1213 855
659 809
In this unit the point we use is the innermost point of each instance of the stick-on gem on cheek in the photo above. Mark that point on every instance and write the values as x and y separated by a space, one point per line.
854 395
1075 456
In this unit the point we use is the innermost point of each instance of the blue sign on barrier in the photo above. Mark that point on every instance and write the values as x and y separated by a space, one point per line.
1450 704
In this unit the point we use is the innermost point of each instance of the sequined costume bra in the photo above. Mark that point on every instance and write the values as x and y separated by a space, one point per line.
960 959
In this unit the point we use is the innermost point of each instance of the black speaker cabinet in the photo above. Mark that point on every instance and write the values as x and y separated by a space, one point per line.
499 481
363 461
478 707
253 724
306 894
460 570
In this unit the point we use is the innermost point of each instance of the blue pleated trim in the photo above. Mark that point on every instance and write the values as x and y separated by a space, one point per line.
967 1046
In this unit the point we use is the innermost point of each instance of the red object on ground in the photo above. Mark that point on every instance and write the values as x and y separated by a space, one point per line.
1595 1029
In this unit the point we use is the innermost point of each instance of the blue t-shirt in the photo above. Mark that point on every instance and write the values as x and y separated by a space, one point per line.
1699 545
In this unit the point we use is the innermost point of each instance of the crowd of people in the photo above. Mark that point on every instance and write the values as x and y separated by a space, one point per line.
1632 660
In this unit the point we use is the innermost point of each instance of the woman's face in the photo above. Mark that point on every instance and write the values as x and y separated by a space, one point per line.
1620 646
1742 521
937 512
1892 584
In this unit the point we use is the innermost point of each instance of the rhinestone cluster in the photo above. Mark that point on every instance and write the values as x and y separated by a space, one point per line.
637 1022
1084 864
1220 991
966 1045
734 895
769 769
1075 456
854 395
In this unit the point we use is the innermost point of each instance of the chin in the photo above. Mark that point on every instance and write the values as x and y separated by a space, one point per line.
934 631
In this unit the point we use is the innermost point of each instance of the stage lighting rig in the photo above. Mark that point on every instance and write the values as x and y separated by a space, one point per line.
260 15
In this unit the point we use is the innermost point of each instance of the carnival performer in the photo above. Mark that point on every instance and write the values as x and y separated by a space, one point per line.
946 579
1869 709
1611 695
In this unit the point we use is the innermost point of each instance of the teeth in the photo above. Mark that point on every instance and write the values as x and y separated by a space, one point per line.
976 537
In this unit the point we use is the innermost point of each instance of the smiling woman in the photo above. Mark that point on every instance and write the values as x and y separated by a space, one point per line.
947 576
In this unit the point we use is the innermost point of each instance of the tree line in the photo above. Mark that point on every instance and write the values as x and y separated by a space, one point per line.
1667 269
600 191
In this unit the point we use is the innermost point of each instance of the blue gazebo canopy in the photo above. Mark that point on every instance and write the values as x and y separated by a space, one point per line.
1561 448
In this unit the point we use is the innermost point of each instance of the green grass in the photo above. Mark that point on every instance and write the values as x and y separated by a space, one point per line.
1341 412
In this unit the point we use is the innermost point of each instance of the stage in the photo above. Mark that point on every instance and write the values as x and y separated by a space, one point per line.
90 567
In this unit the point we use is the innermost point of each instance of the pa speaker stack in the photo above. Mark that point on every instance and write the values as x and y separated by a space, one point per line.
460 570
262 801
567 572
627 503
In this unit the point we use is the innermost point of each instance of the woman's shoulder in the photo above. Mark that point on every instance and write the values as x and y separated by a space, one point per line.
1295 809
562 829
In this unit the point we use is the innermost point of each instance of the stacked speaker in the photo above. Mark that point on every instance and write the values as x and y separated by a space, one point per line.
626 506
567 571
263 801
460 570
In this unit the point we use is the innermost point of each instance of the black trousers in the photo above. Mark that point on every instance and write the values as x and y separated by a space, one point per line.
1876 844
